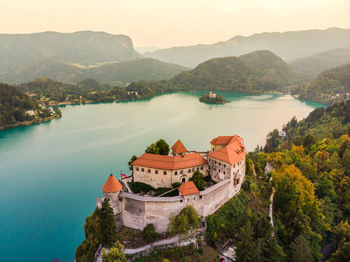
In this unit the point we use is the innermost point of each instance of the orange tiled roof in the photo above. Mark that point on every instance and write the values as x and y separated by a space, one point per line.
170 162
221 140
232 153
188 188
112 185
178 147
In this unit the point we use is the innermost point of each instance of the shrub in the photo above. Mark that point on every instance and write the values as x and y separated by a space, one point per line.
187 219
149 233
137 187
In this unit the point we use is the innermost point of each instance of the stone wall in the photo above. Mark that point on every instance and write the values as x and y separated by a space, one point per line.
137 211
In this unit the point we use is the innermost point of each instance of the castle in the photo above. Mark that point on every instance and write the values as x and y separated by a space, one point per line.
224 162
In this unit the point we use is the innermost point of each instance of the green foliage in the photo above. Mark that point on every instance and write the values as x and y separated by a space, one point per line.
160 147
149 233
169 254
114 254
217 100
187 220
329 87
198 180
93 236
137 187
132 159
300 250
14 104
108 227
245 245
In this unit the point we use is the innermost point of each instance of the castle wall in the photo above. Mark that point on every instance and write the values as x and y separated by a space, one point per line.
138 211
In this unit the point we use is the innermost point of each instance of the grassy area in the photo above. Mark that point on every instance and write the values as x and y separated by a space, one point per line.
180 254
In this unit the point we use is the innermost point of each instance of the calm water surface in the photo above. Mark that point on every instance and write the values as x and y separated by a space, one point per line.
51 173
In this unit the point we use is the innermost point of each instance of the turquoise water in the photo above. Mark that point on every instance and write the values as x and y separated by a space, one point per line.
51 173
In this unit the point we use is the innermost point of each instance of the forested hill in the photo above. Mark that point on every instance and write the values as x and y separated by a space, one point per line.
255 72
14 106
331 86
288 45
111 73
84 47
315 64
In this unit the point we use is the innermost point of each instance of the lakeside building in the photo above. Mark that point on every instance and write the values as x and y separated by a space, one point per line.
224 162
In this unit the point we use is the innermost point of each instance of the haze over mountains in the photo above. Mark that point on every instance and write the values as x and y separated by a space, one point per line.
112 59
288 45
71 57
315 64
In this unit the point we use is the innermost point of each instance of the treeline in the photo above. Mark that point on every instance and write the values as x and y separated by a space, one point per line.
311 177
14 106
48 91
330 86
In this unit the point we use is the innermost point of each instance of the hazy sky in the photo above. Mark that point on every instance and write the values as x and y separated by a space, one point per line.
165 23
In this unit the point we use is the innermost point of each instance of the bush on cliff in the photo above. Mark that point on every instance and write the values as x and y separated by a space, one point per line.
99 229
149 233
114 254
185 221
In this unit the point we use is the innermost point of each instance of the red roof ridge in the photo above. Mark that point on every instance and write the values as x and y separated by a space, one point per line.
170 162
178 147
112 185
188 188
232 153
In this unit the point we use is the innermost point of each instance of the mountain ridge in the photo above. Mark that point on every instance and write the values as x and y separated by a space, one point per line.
282 44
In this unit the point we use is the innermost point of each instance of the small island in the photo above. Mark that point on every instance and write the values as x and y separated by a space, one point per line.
212 98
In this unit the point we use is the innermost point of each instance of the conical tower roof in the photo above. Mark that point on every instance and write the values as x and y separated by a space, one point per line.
112 185
178 147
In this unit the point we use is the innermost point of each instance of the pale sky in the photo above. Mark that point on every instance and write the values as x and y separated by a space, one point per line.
165 23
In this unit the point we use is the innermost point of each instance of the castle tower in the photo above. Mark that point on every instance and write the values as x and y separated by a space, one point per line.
111 190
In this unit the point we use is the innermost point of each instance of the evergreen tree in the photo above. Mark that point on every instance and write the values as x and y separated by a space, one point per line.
245 245
300 250
108 227
276 253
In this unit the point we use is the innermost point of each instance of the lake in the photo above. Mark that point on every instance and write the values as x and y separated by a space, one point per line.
51 173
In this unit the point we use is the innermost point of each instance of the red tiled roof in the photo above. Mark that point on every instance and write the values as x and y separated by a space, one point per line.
170 162
112 185
178 147
232 153
188 188
221 140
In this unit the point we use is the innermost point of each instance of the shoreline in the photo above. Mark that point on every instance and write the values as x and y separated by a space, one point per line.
30 123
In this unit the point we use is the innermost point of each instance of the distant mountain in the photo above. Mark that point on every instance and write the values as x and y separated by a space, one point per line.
288 45
140 69
145 49
256 72
313 65
330 86
84 47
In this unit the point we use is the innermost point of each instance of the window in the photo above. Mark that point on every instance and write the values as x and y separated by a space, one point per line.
181 172
189 171
225 165
137 169
164 172
149 170
200 197
215 162
193 169
219 164
201 168
175 173
142 169
156 171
